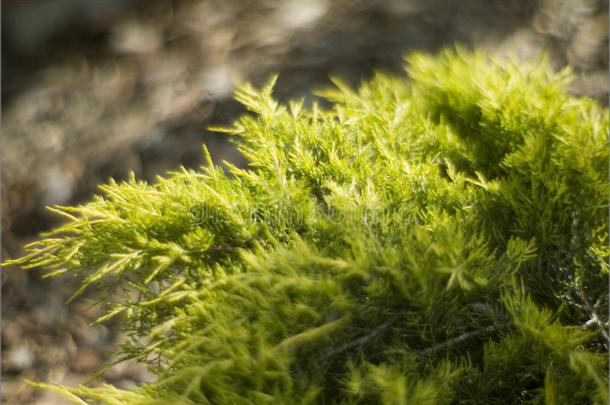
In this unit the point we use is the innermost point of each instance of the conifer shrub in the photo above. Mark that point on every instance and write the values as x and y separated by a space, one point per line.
436 239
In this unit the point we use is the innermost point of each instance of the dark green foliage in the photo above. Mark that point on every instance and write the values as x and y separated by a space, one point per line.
438 240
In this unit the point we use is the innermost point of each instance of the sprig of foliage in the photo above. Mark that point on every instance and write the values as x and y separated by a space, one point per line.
441 239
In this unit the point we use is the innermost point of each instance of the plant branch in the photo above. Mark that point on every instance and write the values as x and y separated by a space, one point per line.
595 319
364 339
456 340
222 248
294 342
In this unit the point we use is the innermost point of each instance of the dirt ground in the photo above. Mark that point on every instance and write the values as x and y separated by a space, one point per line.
133 87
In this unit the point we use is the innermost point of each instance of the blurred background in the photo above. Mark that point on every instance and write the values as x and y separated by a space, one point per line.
93 89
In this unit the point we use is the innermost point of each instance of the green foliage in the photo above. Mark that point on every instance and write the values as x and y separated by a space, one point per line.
437 240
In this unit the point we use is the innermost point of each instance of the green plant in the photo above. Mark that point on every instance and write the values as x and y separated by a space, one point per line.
441 239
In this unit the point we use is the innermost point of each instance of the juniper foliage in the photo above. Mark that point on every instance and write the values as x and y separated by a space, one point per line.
440 239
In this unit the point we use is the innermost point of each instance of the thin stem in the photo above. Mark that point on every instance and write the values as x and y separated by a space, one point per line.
456 340
231 249
594 317
364 339
594 320
294 342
